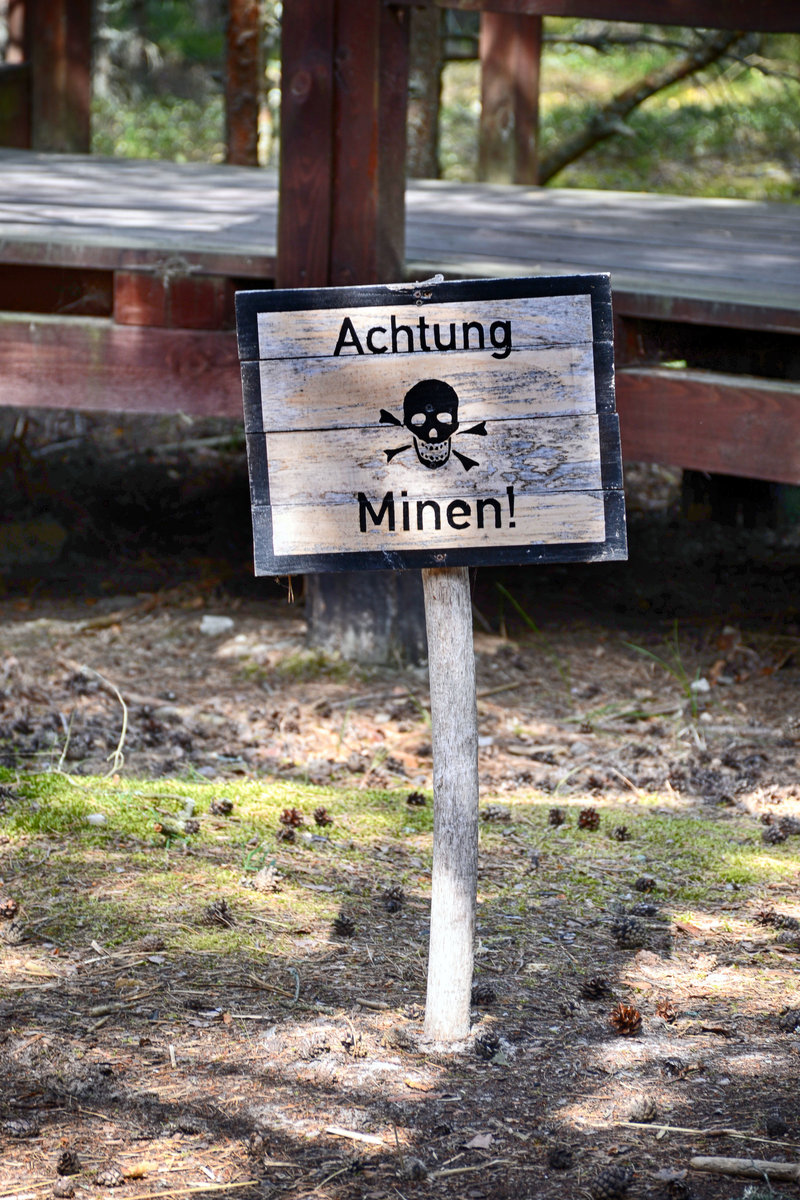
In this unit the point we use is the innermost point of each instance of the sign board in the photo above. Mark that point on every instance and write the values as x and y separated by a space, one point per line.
434 425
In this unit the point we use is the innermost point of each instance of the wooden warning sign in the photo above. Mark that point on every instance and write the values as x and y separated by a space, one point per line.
436 425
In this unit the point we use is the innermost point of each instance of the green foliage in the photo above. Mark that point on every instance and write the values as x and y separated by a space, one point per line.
731 131
165 127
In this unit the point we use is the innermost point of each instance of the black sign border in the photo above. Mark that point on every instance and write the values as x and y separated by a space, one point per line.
250 303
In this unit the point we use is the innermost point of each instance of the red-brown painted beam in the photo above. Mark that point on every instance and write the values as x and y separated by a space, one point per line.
764 16
102 367
723 424
173 301
243 82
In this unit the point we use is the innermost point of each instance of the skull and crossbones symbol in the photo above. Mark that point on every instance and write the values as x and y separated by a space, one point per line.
430 414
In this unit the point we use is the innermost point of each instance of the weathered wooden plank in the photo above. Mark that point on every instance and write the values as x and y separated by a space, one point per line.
179 301
536 321
614 546
768 16
532 454
93 364
571 518
723 424
324 393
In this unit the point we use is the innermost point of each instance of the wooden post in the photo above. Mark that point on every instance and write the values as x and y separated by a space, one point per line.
451 658
60 41
242 82
510 48
341 220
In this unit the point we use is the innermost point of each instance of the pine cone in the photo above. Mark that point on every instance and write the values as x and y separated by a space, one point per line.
68 1163
343 925
595 987
643 1110
218 913
221 807
556 817
666 1010
611 1182
416 800
589 818
773 835
495 812
110 1176
286 833
63 1188
645 909
766 916
14 932
783 921
775 1124
628 932
292 817
559 1158
8 908
151 943
621 833
322 817
394 899
789 825
487 1044
482 995
627 1020
645 883
790 1020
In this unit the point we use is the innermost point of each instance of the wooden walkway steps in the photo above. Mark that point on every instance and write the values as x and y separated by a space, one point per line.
117 281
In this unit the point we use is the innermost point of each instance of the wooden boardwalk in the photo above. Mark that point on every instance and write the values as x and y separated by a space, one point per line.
125 272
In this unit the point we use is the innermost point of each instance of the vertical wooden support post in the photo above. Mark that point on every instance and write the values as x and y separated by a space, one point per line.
60 42
242 82
451 658
341 221
510 50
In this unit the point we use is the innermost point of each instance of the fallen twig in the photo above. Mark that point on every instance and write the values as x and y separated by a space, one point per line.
493 1162
714 1131
748 1168
195 1190
354 1135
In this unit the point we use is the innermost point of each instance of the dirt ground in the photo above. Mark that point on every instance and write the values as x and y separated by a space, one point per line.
675 675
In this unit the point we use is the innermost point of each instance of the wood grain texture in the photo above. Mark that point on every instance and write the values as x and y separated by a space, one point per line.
92 364
537 321
306 168
324 393
613 547
454 873
531 454
510 51
723 424
573 518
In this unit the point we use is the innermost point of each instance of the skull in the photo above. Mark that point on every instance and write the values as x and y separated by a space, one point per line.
430 412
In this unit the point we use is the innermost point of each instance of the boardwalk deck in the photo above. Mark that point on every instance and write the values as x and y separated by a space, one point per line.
116 283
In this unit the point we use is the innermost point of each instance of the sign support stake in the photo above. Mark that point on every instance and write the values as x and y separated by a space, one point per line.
454 879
